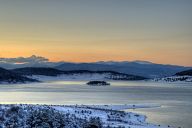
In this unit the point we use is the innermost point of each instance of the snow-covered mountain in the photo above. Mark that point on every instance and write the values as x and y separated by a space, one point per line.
122 62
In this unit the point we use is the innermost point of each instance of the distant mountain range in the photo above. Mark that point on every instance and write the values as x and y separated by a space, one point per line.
139 68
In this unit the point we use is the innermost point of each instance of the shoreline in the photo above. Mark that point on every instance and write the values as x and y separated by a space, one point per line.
108 115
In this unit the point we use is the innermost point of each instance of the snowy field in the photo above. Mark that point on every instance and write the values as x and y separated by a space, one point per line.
174 79
73 116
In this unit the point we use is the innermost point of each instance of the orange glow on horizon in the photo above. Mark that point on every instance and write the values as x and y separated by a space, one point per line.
92 53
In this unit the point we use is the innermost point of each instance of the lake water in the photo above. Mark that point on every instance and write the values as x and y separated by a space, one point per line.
175 98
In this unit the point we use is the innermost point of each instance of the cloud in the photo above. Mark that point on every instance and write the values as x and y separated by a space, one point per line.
24 60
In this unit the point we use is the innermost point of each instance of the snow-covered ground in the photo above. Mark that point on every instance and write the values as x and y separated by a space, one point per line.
174 79
90 77
70 116
72 77
108 75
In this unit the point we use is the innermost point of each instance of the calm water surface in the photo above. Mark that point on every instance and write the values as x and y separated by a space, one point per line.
175 98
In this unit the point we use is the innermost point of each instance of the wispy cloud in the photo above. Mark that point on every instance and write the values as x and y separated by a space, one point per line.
24 60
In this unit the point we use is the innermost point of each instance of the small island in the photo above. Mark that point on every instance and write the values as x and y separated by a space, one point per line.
98 83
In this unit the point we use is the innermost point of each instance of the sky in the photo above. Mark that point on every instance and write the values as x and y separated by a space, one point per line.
159 31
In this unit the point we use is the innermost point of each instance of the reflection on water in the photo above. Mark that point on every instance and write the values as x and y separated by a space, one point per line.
176 99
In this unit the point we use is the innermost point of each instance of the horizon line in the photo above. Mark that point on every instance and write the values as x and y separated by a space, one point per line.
78 62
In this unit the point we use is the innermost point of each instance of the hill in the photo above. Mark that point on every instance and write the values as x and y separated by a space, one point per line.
11 77
184 76
38 71
79 74
184 73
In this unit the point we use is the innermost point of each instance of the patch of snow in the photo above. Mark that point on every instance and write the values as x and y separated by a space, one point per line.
111 115
174 79
142 62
